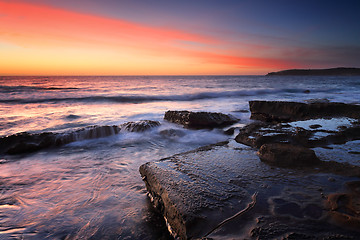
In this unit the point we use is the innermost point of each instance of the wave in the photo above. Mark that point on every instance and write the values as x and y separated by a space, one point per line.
152 98
11 89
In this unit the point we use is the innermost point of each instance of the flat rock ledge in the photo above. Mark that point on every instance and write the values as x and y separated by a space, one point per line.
206 194
277 111
200 119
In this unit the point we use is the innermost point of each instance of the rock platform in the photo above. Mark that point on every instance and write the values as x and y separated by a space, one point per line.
198 190
303 183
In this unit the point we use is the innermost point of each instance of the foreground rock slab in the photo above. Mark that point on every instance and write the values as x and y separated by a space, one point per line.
207 193
199 119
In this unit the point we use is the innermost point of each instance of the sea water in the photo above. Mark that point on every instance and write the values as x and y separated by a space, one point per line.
92 188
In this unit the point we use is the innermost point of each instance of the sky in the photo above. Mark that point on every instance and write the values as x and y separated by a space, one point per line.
202 37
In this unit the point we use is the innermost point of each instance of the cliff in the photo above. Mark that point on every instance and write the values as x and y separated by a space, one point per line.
341 71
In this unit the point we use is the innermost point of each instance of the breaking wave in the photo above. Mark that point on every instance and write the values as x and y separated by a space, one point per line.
152 98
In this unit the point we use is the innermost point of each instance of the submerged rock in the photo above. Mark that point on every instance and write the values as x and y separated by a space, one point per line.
292 111
199 119
287 155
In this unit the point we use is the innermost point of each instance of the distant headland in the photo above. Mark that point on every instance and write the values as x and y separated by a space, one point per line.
340 71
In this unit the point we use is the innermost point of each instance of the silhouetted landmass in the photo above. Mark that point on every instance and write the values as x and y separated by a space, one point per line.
341 71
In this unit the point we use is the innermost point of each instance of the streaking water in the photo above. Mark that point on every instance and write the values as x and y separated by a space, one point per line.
92 188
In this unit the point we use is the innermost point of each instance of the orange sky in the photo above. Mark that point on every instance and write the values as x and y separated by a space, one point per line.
46 40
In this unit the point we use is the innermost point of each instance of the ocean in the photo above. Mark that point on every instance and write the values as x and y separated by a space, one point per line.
91 188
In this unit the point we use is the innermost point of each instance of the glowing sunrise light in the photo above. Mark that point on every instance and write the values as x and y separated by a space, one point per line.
38 39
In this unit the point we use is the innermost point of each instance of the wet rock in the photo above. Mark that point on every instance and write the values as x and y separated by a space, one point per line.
259 133
91 132
344 135
189 190
30 142
199 119
139 126
292 111
230 131
26 142
287 155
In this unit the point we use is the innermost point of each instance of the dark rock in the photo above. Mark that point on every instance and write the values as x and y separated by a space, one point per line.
91 132
307 91
23 147
257 134
345 135
31 142
230 131
287 155
26 142
293 111
139 126
315 126
340 71
199 119
72 117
